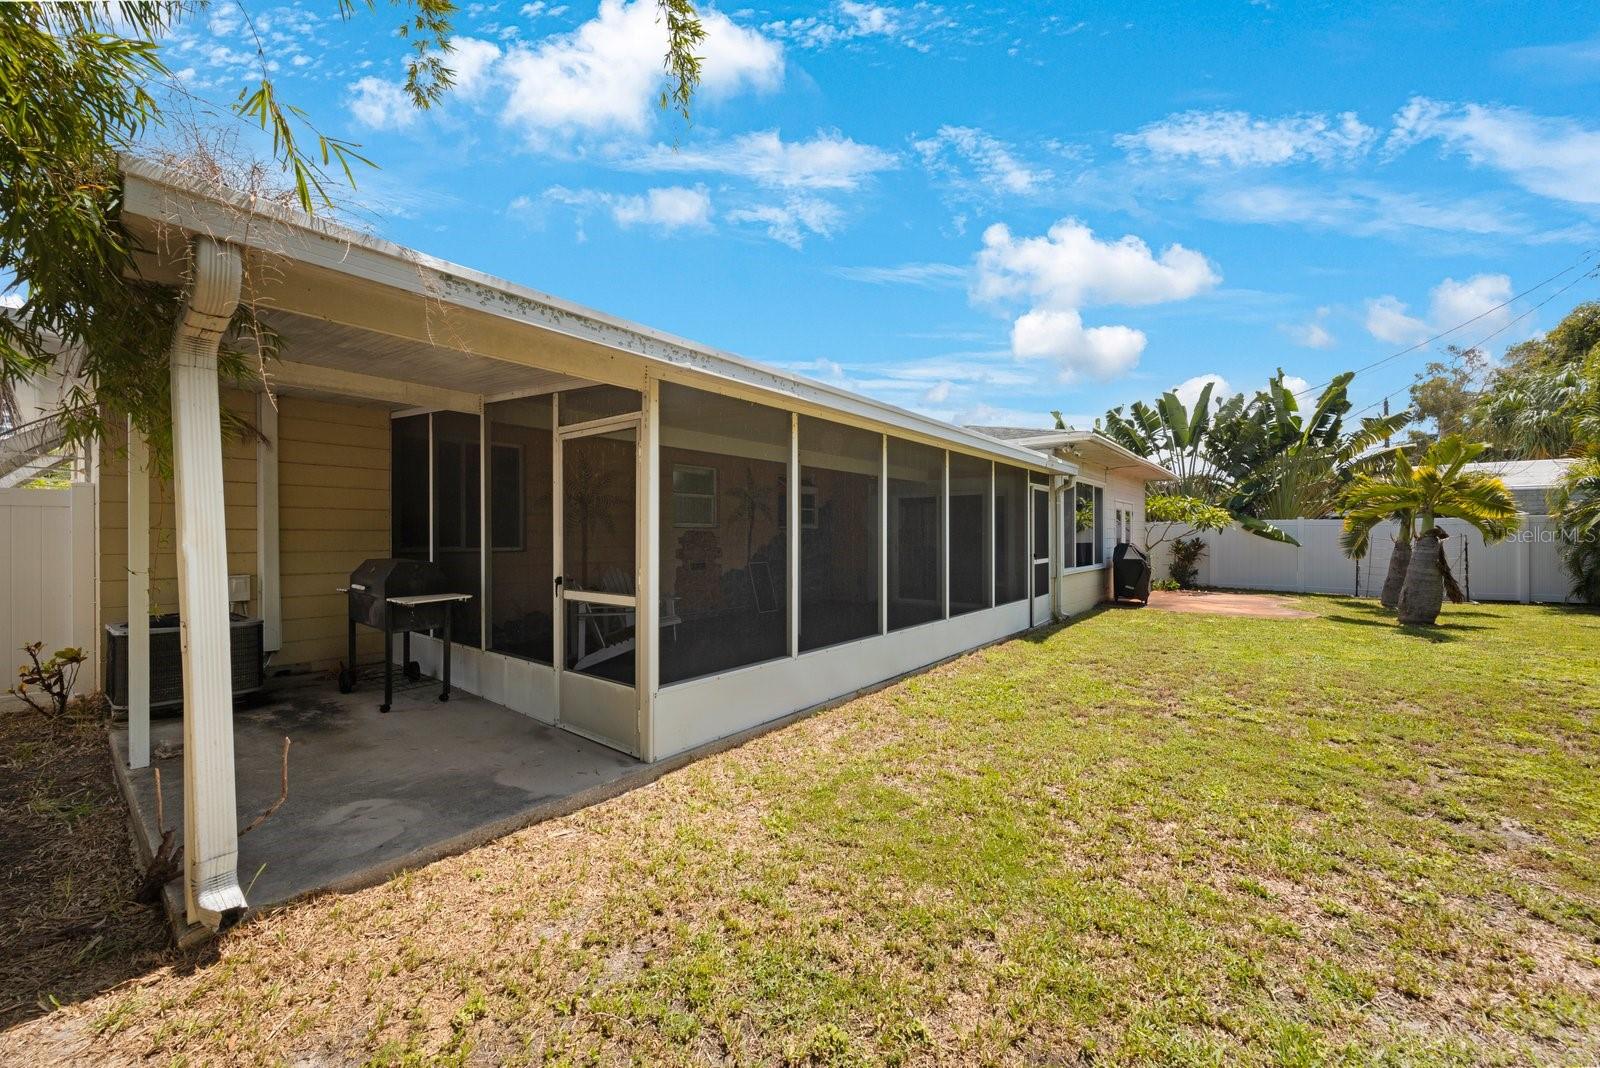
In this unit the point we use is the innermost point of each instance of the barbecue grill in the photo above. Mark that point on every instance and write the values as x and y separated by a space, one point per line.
398 595
1130 573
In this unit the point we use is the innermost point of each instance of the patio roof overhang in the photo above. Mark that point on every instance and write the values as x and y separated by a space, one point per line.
1090 447
365 317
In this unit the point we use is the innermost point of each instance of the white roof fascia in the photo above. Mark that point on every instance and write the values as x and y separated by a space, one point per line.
155 193
1054 438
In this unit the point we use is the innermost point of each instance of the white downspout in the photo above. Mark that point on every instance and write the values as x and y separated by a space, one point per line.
210 808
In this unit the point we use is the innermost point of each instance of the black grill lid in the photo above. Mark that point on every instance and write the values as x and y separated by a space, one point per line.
392 577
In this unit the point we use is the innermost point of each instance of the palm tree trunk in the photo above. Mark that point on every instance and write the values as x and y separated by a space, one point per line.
1423 593
1396 578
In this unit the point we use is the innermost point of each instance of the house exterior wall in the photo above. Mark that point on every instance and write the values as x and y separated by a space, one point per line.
1080 589
333 513
333 472
239 497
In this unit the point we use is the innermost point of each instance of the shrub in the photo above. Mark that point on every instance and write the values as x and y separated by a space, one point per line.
53 679
1167 584
1186 553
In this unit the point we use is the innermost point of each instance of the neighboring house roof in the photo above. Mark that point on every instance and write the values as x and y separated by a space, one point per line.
1525 474
1530 481
169 199
1086 445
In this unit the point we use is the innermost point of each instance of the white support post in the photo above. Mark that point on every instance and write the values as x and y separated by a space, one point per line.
485 535
210 808
883 540
793 505
138 599
993 547
432 525
267 585
649 580
944 535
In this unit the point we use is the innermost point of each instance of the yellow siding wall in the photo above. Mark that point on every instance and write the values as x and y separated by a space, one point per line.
333 512
239 497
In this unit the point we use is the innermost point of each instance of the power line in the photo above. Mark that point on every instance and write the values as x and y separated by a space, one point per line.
1424 343
1456 358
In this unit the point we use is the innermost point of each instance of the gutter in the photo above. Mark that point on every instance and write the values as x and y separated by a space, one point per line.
164 197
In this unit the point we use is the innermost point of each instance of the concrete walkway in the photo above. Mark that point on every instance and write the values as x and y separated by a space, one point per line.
370 794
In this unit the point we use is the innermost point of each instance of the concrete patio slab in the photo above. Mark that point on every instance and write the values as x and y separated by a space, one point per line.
370 793
1217 603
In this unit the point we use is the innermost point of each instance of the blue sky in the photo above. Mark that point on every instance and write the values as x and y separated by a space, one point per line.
985 212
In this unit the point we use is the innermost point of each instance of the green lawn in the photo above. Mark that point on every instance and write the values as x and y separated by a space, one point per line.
1139 838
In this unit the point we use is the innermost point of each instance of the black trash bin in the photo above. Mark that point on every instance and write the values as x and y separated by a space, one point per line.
1130 573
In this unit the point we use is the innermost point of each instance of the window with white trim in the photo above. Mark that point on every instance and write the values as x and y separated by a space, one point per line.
694 497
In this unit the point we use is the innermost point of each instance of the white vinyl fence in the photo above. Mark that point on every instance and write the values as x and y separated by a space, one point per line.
47 575
1525 568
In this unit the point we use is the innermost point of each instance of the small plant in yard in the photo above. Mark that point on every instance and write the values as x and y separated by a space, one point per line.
1186 553
1168 517
47 684
1168 584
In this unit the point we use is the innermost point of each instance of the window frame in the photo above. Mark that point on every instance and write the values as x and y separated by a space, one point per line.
1071 494
677 493
468 451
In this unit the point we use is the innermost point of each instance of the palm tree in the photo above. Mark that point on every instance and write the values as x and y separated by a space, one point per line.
1356 537
1436 488
1576 507
1262 459
1172 435
1288 464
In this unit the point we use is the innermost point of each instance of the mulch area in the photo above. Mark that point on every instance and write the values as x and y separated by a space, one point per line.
68 922
1217 603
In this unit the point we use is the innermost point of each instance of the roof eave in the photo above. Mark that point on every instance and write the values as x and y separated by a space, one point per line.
158 194
1152 471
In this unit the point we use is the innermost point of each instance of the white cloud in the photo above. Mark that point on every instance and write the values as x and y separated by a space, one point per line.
827 161
938 393
1367 210
1476 301
604 76
1387 321
381 105
1296 385
995 165
1188 390
792 221
1553 157
1098 352
472 61
1313 334
1069 268
1238 139
666 209
926 275
670 208
1478 298
850 21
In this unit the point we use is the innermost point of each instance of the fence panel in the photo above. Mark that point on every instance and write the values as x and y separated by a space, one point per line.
47 573
1528 567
